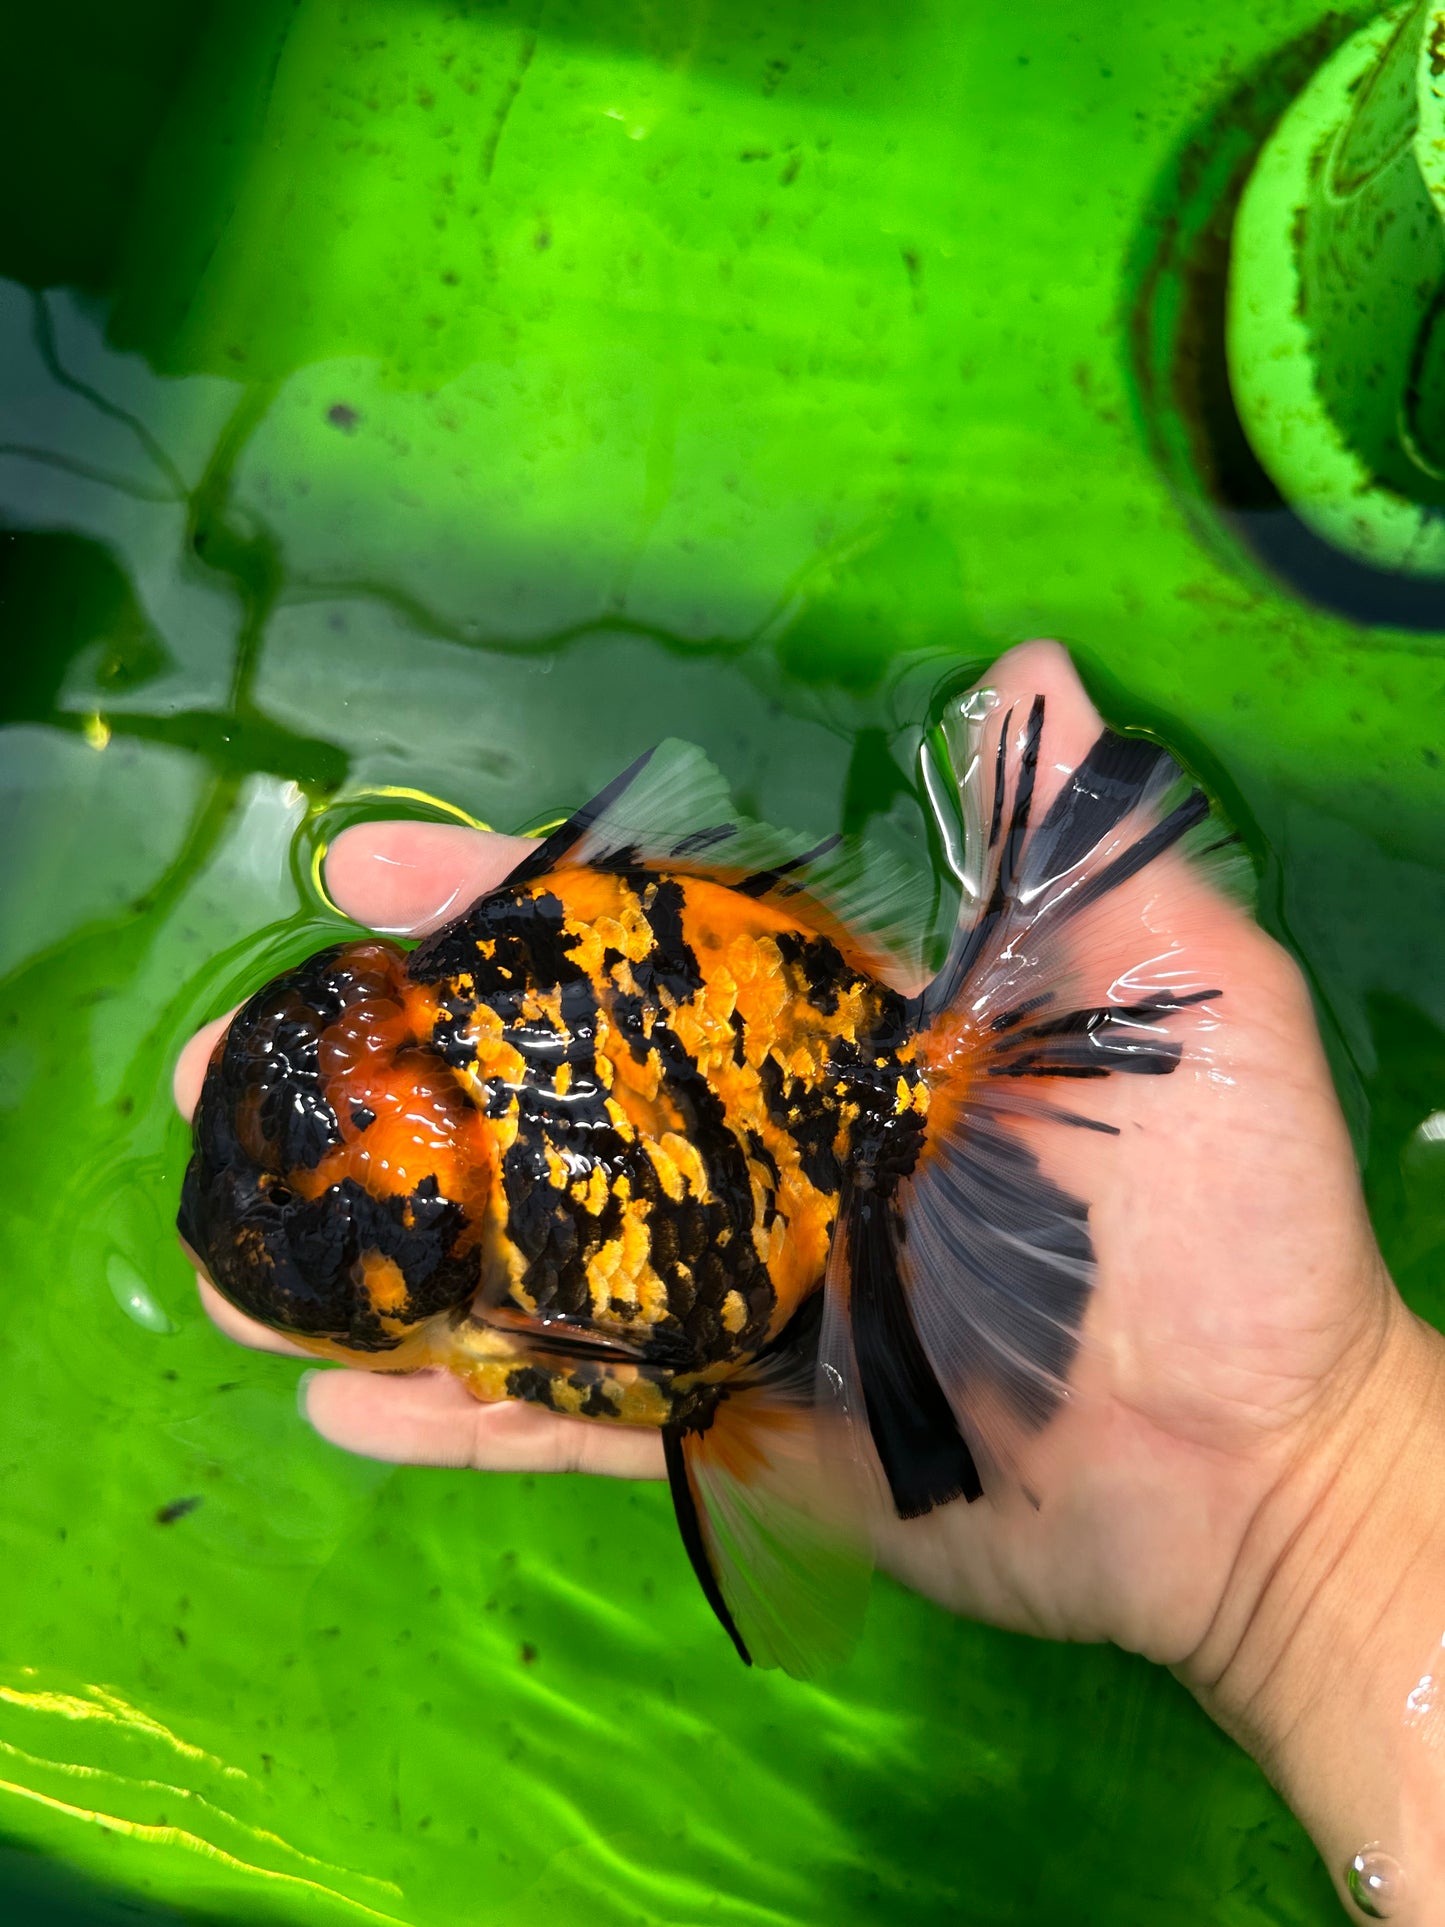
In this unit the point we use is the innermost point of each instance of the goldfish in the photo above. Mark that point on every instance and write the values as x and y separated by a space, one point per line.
672 1129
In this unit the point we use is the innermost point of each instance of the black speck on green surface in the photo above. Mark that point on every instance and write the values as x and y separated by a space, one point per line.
177 1509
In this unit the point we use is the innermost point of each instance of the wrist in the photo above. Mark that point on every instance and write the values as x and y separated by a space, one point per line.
1325 1659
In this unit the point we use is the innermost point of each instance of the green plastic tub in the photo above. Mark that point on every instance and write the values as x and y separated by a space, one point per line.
452 397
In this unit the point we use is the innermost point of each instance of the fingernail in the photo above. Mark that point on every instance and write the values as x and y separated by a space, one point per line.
303 1387
411 891
401 876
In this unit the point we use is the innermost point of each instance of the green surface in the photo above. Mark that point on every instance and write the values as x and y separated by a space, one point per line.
1337 289
461 397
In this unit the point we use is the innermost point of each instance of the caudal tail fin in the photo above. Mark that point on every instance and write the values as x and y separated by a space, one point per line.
1071 964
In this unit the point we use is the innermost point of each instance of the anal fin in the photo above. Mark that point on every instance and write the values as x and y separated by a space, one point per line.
768 1502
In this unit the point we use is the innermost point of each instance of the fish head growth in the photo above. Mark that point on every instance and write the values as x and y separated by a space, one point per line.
340 1179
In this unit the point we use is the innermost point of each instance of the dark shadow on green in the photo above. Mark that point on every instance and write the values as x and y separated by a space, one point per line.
73 610
772 48
72 154
1176 287
36 1891
896 595
65 601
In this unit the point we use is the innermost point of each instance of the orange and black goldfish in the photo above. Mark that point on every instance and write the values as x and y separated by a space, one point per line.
653 1134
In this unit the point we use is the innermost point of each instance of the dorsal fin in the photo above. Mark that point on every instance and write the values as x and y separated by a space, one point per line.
671 810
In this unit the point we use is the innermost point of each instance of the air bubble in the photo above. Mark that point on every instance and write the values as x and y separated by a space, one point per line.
1376 1883
131 1293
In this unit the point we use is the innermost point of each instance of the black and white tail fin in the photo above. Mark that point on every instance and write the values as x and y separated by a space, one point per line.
1073 963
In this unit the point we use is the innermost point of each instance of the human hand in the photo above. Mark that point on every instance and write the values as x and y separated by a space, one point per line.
1243 1345
1238 1282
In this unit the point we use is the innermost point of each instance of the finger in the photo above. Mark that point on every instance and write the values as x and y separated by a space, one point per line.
428 1418
411 877
237 1326
389 876
1072 724
1071 727
190 1071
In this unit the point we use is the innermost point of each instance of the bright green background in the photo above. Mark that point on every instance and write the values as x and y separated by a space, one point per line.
727 371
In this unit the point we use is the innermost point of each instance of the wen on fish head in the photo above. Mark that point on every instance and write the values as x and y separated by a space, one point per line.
339 1181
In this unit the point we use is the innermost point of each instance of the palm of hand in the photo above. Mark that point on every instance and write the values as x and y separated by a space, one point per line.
1238 1296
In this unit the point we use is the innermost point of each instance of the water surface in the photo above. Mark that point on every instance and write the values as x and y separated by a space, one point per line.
459 397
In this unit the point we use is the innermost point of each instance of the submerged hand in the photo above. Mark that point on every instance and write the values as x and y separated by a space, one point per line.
1247 1373
1238 1282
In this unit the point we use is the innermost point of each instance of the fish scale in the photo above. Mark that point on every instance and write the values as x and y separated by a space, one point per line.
669 1154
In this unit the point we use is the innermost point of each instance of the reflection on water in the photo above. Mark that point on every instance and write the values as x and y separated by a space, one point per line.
790 380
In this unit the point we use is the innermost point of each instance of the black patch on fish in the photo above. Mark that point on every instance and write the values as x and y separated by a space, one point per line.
1114 776
759 1151
714 1240
551 1227
270 1066
670 964
532 1385
1011 857
1078 1122
530 950
809 1115
700 1251
553 847
295 1263
816 967
740 1033
1008 1019
1014 1238
700 840
1163 836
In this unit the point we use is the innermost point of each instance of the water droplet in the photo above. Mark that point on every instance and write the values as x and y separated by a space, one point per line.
131 1293
978 703
1375 1882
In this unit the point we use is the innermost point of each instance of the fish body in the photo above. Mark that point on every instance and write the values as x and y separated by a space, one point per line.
649 1136
621 1103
